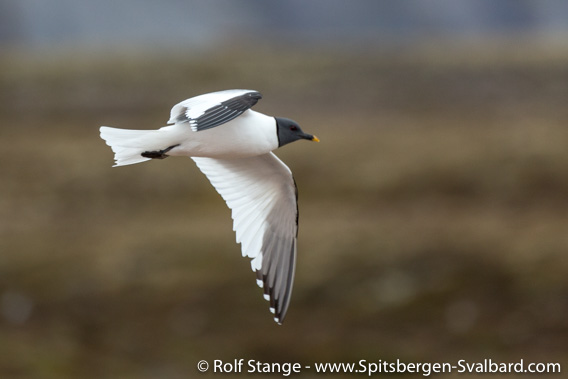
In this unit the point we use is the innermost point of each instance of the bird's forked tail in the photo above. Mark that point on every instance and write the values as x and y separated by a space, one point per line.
130 145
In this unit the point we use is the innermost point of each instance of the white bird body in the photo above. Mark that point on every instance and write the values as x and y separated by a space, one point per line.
232 145
250 134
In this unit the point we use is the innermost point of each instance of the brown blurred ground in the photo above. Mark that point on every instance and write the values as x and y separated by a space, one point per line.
433 214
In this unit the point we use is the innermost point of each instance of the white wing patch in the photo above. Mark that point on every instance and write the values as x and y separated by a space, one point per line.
261 193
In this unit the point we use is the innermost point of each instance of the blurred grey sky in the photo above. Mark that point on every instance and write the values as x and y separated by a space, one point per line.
207 24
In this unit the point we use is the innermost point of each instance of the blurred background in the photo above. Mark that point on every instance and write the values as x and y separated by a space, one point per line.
433 214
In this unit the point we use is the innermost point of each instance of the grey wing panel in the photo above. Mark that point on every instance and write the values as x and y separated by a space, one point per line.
225 111
278 264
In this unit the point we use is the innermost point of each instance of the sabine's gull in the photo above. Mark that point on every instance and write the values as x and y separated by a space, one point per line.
232 145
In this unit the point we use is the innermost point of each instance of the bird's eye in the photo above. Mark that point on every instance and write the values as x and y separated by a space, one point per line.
294 128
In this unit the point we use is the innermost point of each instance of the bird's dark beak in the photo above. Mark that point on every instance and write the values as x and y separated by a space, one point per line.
311 137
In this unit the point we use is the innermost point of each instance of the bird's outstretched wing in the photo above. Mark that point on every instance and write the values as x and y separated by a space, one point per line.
213 109
262 195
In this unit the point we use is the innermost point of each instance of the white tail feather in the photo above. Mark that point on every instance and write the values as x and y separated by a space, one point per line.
128 145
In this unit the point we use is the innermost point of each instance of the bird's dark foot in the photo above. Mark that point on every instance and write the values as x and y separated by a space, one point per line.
158 154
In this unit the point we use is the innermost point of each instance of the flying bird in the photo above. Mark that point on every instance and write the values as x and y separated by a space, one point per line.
232 145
